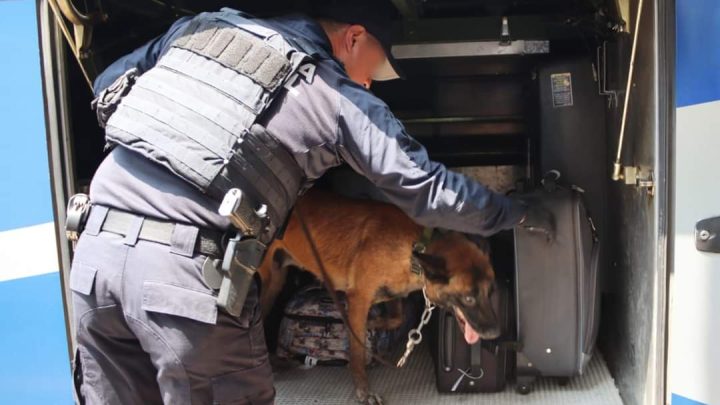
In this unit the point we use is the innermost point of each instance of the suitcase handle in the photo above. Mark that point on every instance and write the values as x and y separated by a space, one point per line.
476 369
448 336
550 180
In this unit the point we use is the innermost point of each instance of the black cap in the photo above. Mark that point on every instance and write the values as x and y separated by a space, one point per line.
377 17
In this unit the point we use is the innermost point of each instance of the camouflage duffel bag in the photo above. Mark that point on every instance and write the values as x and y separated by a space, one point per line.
312 330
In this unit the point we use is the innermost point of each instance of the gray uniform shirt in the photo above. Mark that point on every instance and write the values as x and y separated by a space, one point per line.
323 122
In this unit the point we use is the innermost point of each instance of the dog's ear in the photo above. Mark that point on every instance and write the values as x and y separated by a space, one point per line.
434 267
481 242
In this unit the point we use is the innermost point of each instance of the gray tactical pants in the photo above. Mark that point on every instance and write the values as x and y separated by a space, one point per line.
149 331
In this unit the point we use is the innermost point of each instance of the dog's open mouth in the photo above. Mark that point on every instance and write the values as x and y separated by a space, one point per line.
471 335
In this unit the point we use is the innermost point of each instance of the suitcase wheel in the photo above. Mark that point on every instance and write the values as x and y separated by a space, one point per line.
524 384
563 381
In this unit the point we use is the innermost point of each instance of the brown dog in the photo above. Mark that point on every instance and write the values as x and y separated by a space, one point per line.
366 248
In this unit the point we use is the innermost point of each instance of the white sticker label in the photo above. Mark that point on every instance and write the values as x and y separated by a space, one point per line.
561 84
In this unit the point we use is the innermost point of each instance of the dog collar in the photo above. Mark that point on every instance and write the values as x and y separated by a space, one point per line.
424 241
420 246
415 266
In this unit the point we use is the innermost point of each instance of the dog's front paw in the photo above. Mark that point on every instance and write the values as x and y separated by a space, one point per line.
368 398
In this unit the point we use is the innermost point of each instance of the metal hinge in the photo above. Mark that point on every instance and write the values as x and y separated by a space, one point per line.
641 178
601 77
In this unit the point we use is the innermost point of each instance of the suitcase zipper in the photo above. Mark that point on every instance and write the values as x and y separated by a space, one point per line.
589 303
581 286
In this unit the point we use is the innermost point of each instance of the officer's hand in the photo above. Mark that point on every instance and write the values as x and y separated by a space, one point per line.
537 219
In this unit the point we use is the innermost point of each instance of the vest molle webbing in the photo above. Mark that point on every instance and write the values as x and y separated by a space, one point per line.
193 112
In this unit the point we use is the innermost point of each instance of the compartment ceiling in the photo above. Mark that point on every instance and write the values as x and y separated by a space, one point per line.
129 23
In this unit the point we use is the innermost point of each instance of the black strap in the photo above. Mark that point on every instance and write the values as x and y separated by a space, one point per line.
476 354
310 361
446 339
265 170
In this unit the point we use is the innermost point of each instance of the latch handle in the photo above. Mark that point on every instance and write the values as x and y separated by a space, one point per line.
706 235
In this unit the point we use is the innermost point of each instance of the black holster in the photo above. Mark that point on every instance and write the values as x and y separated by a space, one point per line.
240 263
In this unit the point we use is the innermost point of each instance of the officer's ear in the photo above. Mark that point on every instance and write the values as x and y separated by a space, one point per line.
353 33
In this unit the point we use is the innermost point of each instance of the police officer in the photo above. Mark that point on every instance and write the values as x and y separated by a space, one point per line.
225 105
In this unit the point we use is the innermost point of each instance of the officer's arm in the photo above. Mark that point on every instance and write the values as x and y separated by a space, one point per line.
142 58
377 146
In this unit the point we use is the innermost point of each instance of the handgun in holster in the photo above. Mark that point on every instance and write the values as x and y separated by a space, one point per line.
78 210
244 251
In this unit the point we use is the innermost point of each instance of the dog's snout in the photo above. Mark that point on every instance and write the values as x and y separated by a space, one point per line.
490 333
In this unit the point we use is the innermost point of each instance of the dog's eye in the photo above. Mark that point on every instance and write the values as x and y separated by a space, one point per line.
469 300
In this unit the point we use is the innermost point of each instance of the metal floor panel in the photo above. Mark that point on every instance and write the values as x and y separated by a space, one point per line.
416 384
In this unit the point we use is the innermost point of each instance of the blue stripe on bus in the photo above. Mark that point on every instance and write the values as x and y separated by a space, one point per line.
680 400
24 180
698 51
35 368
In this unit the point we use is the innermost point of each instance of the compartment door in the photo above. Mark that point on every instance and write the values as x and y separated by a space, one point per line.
694 324
35 365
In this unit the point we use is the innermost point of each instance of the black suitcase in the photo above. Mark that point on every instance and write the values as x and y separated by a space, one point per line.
556 290
481 367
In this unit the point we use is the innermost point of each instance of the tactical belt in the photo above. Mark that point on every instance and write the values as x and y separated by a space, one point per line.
208 242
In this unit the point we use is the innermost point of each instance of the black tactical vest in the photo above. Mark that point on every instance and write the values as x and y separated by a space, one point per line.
196 111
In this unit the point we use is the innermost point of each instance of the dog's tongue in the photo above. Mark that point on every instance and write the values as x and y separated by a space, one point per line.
471 335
